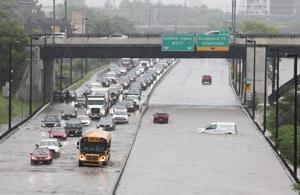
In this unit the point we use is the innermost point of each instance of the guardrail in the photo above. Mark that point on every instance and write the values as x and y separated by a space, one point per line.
14 128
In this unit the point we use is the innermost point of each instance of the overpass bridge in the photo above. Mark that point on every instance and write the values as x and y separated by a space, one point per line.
149 46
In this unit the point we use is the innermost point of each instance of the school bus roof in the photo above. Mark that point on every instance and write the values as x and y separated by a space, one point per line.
101 134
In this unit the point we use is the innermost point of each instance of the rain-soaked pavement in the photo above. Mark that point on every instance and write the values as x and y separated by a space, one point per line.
63 176
174 159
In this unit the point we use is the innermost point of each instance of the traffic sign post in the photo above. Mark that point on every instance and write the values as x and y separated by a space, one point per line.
213 42
178 42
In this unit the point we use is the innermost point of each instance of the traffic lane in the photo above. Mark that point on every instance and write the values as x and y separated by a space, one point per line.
174 159
63 176
182 86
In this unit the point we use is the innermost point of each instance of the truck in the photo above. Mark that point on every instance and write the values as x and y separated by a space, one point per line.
97 103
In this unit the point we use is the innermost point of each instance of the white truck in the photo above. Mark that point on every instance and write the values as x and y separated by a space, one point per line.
97 104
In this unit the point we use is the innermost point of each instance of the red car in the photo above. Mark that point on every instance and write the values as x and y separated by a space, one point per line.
206 79
41 156
161 117
58 132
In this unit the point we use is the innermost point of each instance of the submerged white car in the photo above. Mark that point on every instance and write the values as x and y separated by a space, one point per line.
219 128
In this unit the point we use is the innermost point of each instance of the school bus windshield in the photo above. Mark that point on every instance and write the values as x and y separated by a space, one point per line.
92 147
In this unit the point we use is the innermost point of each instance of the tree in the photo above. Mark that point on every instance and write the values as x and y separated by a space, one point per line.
11 30
257 27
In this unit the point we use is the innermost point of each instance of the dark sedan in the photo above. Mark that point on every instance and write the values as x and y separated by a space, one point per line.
106 123
51 121
130 105
161 117
73 128
206 79
69 112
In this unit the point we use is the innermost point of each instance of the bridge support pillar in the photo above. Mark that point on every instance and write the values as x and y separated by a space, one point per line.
48 79
259 71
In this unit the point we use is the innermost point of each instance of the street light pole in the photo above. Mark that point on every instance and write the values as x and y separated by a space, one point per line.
54 10
233 16
254 74
30 78
295 114
295 163
83 30
10 71
65 16
9 90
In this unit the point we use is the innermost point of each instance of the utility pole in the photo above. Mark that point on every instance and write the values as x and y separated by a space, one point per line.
233 19
65 16
54 10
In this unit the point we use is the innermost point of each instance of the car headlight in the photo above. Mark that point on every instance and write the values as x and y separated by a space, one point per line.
47 158
82 157
102 158
50 135
102 111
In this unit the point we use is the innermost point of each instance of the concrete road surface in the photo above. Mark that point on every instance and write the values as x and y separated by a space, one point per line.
174 159
63 176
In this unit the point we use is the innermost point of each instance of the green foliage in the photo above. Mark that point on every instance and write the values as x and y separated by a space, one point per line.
286 142
103 24
258 27
18 108
286 111
10 31
296 187
286 125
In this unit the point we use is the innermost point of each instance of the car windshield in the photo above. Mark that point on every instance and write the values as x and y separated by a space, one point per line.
57 130
133 97
95 102
40 152
83 118
50 118
72 125
48 143
93 147
211 127
120 113
68 110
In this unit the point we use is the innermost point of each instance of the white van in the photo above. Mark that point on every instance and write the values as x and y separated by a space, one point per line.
219 128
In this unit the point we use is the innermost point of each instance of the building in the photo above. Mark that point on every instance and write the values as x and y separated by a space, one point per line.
254 7
284 7
78 23
26 8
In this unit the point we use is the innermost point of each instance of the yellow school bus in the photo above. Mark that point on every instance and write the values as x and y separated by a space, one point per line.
94 147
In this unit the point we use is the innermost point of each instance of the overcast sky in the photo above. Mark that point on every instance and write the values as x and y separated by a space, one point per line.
221 4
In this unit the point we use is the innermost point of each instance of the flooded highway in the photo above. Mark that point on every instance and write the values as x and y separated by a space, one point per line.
174 158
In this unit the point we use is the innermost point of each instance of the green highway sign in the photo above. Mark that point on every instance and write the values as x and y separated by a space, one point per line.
213 42
177 42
